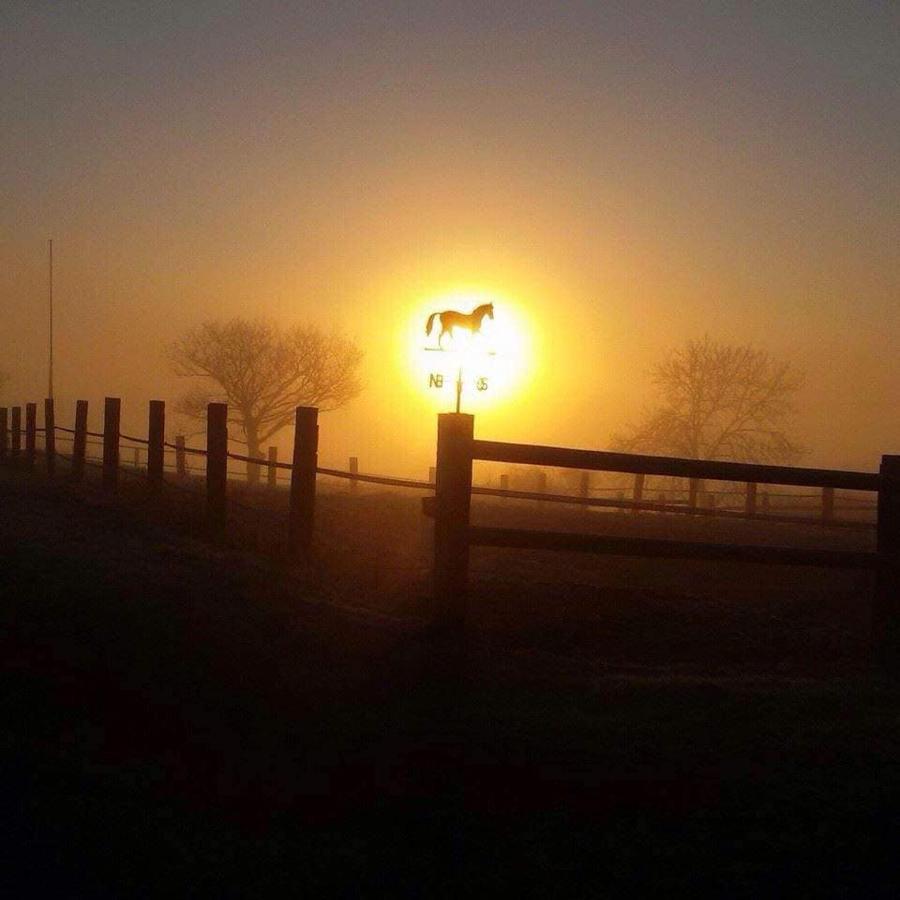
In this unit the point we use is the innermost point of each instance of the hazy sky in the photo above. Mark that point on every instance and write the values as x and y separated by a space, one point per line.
630 174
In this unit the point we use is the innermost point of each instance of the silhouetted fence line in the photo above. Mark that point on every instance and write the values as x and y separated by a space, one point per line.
635 506
457 450
588 497
451 482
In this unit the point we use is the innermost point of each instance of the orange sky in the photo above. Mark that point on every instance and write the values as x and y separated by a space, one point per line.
627 178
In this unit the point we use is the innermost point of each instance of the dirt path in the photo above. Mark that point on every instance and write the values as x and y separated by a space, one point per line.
183 719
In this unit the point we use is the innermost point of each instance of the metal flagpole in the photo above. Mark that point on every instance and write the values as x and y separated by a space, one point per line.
50 386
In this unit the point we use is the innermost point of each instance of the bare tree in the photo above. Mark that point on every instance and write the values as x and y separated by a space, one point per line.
263 372
719 401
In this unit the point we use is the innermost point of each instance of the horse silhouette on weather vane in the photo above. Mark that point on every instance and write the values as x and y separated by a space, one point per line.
470 322
451 319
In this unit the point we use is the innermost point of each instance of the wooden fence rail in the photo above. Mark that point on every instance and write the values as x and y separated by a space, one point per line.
601 460
457 450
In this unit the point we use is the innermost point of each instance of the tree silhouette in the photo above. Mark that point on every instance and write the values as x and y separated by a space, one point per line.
263 372
719 401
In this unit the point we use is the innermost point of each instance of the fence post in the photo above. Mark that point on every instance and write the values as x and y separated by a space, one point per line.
886 617
453 497
16 442
216 466
50 435
693 488
4 433
272 470
79 440
750 500
827 504
354 470
180 457
156 443
30 433
584 491
112 411
303 479
638 492
541 478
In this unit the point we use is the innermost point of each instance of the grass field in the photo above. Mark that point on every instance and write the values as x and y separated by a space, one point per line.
188 719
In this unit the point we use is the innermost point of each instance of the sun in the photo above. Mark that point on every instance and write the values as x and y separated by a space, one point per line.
491 359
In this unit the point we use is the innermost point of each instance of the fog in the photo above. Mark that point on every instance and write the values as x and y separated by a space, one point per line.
625 180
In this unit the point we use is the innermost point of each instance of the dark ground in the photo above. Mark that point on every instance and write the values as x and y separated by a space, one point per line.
188 720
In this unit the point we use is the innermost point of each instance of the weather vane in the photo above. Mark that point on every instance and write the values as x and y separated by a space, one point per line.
451 322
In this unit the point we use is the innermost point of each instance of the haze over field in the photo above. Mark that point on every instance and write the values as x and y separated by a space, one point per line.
623 177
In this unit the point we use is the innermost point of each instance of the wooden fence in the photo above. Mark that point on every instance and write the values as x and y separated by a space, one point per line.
457 449
451 483
302 470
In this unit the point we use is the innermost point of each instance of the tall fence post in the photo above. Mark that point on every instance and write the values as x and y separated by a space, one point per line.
828 504
79 440
216 466
4 433
354 470
16 441
638 492
886 617
180 457
112 412
156 443
453 497
30 433
272 471
303 479
50 436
